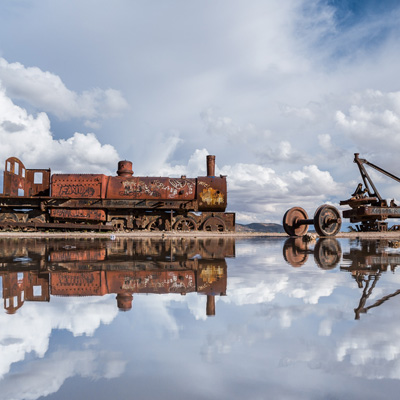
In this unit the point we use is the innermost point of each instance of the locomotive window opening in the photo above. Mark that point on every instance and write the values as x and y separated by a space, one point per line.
8 166
38 178
23 172
21 192
16 169
37 291
20 276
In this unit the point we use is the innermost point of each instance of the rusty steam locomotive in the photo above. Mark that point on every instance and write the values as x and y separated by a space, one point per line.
36 199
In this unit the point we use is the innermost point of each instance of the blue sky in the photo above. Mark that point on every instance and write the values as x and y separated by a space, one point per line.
282 92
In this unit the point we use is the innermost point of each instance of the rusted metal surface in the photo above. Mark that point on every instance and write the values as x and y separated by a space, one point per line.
210 165
19 181
125 169
148 188
118 202
366 204
91 186
326 221
212 193
78 214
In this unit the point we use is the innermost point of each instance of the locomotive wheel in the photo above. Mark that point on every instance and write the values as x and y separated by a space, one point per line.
37 218
214 224
291 219
185 224
327 253
119 224
327 221
8 217
155 225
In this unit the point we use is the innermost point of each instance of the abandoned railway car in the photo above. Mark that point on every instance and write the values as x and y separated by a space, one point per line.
36 199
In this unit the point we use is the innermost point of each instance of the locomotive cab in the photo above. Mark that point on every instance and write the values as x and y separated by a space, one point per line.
20 181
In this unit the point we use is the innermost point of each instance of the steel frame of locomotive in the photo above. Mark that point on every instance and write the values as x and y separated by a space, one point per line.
35 199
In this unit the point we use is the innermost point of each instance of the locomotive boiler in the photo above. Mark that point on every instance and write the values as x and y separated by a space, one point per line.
37 199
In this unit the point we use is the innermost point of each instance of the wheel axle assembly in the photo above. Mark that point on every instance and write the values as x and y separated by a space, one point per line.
326 221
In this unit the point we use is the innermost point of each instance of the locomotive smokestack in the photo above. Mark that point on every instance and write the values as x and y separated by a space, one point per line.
125 168
210 165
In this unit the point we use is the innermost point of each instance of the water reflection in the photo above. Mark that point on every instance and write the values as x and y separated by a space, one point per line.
327 252
35 270
366 261
288 332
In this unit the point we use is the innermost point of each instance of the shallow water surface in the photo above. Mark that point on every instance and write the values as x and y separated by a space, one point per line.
201 319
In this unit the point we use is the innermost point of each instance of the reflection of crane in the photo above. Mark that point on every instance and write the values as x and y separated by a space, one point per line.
367 292
367 265
367 205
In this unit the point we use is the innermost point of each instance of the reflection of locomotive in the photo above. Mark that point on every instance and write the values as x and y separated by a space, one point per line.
33 198
32 270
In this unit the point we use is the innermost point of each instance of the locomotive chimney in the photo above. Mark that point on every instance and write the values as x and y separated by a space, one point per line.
210 165
125 169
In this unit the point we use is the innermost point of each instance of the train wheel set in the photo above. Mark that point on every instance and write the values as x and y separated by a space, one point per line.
326 221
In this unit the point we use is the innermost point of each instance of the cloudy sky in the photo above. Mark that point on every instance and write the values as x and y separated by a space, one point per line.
282 92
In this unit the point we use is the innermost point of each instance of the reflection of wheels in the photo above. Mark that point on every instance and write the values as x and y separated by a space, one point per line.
295 252
327 221
291 221
185 224
214 224
327 253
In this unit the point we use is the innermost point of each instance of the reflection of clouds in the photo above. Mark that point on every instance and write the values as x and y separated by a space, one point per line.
45 376
29 330
313 310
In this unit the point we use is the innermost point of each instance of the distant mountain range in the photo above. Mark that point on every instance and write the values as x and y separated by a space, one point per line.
260 227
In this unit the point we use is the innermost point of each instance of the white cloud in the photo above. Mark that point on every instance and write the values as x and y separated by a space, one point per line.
46 91
16 341
30 138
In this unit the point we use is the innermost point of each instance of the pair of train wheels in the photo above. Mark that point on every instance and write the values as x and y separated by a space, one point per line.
326 221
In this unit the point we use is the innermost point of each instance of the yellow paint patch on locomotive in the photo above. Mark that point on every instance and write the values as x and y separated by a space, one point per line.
211 273
212 197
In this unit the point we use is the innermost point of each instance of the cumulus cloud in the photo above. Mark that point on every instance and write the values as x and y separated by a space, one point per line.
43 377
372 116
79 316
46 92
29 138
